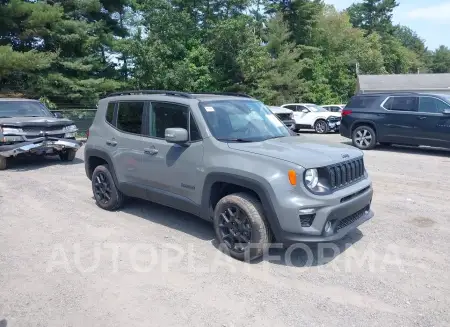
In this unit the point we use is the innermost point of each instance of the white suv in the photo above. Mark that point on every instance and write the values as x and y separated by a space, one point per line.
310 115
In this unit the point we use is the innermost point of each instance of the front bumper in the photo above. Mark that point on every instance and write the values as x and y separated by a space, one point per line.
39 146
333 125
344 212
289 124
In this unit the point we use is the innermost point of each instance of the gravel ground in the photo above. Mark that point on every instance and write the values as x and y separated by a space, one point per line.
65 262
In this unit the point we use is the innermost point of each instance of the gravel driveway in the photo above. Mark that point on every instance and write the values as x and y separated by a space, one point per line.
65 262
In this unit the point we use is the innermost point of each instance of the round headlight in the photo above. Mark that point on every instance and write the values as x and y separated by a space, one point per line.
311 178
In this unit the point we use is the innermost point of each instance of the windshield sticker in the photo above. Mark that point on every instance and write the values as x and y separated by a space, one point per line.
209 109
274 120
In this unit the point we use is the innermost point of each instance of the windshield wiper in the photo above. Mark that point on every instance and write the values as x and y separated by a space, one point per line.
235 140
5 116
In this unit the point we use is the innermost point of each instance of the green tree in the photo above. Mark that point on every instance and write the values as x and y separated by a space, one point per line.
373 15
440 60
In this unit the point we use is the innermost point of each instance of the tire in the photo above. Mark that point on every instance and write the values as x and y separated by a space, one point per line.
3 163
102 180
68 155
321 127
364 137
252 214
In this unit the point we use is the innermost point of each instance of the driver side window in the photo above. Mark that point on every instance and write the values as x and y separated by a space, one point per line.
301 108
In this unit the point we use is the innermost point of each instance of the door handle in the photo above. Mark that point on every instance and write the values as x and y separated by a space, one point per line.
111 142
421 117
151 151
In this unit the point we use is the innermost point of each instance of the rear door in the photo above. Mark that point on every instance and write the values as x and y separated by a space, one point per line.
433 124
398 123
127 141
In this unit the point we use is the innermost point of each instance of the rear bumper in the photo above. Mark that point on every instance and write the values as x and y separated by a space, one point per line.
345 131
40 145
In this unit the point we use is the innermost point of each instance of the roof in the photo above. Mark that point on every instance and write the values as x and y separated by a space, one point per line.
404 82
17 99
205 96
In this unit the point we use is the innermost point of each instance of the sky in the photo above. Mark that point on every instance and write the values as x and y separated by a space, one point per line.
430 19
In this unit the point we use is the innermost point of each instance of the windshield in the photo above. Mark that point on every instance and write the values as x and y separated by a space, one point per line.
315 108
242 121
23 109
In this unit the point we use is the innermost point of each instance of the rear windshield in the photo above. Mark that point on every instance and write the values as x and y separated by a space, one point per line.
361 101
23 109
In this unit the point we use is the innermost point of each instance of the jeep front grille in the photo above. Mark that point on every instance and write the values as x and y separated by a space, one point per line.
345 172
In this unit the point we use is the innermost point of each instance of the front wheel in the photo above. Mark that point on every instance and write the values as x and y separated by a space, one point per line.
3 163
364 138
321 126
67 155
241 227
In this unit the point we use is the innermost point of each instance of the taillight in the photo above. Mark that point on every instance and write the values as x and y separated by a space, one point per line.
346 112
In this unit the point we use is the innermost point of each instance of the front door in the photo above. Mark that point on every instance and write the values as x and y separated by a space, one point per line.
433 124
174 172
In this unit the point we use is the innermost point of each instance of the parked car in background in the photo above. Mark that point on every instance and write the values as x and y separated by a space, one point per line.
334 107
28 127
285 115
397 118
310 115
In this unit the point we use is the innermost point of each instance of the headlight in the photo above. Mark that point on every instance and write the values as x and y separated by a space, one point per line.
311 178
70 128
9 130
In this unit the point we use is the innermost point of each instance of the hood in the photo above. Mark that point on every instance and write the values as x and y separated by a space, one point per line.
278 110
301 151
35 121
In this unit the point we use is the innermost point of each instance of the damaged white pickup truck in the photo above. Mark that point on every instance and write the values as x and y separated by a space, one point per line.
27 127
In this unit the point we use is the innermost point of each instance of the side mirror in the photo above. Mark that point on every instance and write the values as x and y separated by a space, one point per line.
305 111
446 111
58 115
176 135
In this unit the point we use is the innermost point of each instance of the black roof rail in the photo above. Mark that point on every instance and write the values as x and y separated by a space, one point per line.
132 92
224 93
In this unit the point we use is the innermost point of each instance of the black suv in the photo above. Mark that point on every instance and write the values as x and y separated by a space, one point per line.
400 118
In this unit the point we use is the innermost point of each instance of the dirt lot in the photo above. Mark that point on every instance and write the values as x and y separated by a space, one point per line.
65 262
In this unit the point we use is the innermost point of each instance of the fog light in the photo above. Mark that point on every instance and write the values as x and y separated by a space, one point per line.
328 227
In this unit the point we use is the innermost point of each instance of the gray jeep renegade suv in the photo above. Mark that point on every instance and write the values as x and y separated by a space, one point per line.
227 159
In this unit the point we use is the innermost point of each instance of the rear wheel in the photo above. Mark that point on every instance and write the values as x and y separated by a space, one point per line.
364 137
3 163
106 194
241 227
321 126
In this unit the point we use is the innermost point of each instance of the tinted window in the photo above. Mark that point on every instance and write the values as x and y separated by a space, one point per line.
110 112
428 104
291 107
402 103
129 117
167 115
361 101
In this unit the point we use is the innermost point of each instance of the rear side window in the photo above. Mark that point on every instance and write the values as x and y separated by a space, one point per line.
129 117
402 103
361 101
110 112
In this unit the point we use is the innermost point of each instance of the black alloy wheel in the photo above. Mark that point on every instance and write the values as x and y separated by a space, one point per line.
102 188
235 229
